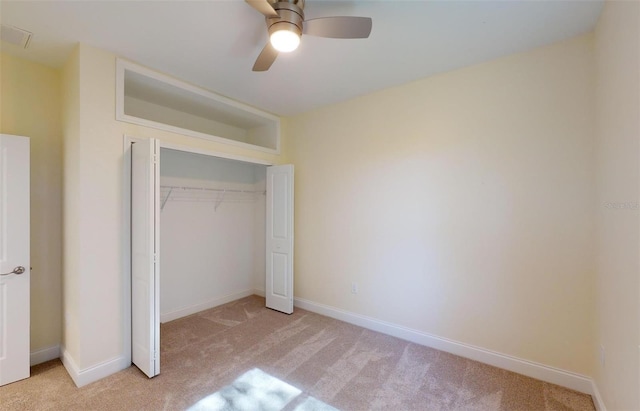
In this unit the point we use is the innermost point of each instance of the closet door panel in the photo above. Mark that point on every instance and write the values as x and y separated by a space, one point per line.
145 315
279 278
279 241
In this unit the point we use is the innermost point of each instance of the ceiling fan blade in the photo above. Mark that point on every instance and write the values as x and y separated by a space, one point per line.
263 6
266 58
343 27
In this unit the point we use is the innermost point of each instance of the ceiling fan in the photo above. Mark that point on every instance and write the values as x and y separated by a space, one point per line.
286 24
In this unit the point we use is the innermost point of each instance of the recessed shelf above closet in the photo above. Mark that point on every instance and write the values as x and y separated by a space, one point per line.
153 99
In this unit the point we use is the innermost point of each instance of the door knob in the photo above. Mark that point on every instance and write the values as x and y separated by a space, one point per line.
18 270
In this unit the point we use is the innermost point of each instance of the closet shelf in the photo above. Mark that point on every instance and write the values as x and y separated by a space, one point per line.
207 194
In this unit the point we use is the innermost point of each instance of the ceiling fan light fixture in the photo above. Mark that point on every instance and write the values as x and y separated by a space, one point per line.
285 23
284 37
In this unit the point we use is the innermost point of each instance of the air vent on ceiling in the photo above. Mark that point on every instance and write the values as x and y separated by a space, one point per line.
15 36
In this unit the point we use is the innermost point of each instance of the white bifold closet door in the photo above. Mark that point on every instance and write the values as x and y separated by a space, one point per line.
279 244
145 284
145 258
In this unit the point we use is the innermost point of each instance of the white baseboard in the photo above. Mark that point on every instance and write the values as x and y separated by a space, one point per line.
183 312
44 355
259 292
597 398
532 369
94 373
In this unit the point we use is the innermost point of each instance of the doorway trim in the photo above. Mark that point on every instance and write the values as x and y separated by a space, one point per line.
210 153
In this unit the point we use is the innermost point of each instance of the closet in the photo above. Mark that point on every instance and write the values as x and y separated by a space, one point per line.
212 239
205 230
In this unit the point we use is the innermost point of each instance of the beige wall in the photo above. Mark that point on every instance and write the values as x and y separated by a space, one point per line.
30 95
461 204
94 235
618 222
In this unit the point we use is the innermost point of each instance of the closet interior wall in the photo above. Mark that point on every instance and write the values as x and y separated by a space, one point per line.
212 231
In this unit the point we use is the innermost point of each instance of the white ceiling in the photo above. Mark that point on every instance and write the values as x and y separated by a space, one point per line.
215 43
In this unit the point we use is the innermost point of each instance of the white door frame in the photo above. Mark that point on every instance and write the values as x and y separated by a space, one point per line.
126 213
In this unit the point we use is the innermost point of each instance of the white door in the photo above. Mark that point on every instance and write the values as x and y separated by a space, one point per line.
145 279
14 258
279 243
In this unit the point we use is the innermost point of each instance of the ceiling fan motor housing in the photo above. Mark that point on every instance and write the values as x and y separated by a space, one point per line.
290 17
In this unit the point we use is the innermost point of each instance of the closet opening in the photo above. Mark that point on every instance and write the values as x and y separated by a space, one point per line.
212 232
205 229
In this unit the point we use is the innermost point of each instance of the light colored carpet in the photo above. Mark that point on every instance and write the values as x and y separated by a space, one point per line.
242 356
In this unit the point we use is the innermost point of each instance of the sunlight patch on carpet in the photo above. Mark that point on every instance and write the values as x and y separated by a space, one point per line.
256 390
312 404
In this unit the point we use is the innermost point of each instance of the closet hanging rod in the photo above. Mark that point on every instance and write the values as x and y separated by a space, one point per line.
228 190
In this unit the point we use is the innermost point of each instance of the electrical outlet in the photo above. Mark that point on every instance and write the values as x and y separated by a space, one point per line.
602 356
354 288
